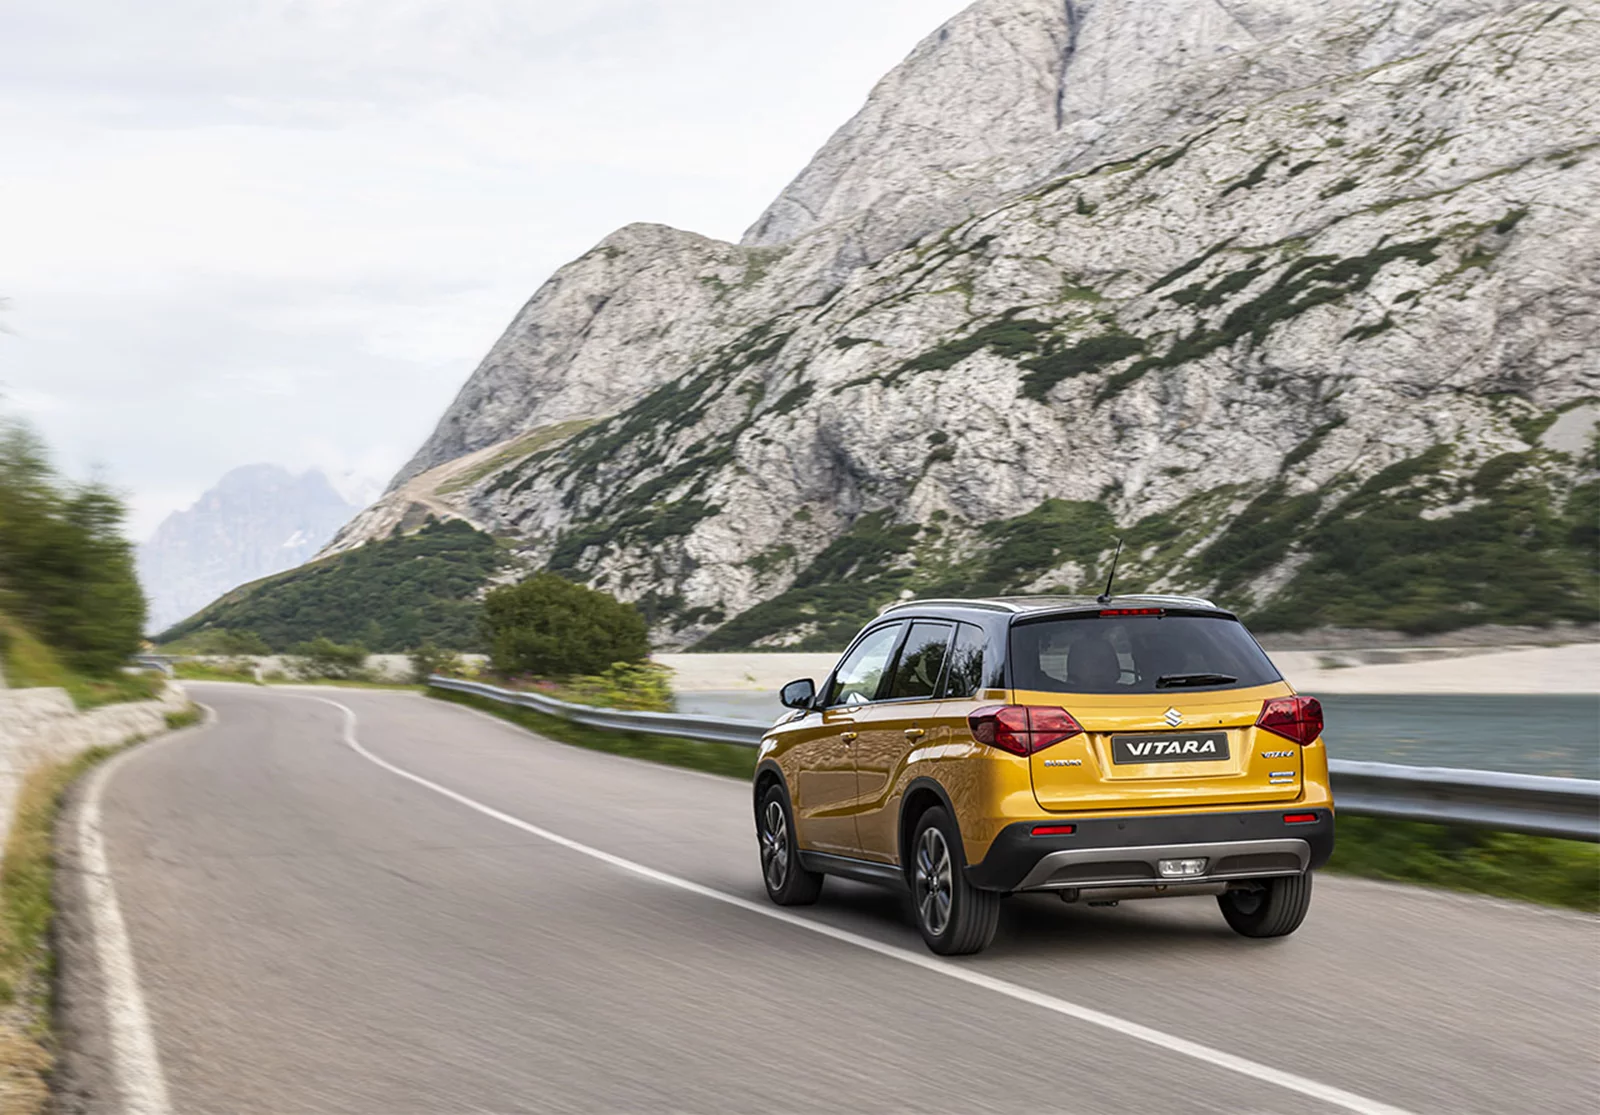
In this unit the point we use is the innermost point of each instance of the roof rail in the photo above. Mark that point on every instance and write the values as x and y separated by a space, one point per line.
950 602
1021 604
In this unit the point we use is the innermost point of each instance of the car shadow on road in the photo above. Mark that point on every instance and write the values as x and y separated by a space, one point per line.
1040 924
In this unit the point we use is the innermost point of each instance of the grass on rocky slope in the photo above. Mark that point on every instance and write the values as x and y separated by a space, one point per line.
30 664
1500 864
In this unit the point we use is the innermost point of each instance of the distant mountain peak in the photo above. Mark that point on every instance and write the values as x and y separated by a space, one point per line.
258 519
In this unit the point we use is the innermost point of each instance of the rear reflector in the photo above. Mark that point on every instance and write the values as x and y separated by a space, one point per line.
1054 830
1022 729
1130 611
1296 718
1299 818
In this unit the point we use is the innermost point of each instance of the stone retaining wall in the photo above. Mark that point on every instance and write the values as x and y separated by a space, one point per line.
43 725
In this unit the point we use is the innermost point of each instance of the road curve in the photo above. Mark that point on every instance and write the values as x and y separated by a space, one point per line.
421 924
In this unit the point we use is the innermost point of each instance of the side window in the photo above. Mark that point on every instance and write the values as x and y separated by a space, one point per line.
966 663
856 680
921 660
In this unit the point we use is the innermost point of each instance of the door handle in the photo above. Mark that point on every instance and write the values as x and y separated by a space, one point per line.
849 737
915 733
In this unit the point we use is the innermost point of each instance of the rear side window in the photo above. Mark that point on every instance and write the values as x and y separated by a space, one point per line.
1136 654
857 679
966 663
921 661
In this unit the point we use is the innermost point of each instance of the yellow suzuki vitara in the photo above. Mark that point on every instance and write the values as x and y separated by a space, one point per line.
1101 749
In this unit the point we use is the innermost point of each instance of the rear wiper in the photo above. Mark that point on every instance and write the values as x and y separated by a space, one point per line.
1169 681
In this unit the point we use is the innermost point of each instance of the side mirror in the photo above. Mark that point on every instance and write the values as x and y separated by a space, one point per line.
799 694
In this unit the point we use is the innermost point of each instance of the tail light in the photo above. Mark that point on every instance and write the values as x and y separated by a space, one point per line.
1022 729
1296 718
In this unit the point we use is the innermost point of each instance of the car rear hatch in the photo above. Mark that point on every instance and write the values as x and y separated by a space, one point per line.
1167 701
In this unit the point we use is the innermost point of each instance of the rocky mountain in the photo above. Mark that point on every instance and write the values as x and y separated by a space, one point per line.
1300 300
258 519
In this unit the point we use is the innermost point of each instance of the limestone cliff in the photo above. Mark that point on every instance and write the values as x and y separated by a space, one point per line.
1301 300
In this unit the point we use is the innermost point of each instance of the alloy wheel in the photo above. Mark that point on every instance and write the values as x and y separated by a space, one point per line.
775 846
934 881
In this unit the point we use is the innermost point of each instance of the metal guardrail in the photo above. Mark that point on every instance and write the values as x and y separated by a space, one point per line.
162 662
705 729
1529 803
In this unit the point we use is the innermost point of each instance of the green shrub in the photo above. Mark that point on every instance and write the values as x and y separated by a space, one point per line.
429 659
550 627
324 658
629 685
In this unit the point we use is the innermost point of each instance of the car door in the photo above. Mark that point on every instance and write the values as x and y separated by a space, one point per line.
825 785
891 730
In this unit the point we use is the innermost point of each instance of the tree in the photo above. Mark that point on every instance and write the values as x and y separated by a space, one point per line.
553 628
66 571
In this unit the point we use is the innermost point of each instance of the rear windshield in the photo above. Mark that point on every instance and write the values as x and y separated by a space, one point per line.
1136 654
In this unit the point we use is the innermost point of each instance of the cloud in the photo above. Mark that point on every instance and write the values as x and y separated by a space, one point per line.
286 230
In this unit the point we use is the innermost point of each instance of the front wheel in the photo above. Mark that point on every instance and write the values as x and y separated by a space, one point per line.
1269 907
954 916
788 882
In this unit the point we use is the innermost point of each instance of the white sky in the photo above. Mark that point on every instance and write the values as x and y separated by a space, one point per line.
286 230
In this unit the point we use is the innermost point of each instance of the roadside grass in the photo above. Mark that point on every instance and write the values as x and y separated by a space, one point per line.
344 683
1538 869
714 758
214 671
27 908
184 717
27 911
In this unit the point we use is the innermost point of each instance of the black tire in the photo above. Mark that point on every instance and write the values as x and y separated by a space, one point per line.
955 917
1273 908
787 882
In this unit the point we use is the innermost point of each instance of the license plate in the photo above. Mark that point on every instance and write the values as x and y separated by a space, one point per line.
1170 747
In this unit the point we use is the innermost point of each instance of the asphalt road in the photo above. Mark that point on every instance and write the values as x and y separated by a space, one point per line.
315 931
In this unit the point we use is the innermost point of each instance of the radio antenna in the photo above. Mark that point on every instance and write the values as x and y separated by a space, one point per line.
1105 597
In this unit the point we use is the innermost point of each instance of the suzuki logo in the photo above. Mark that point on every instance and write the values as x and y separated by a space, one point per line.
1173 718
1173 747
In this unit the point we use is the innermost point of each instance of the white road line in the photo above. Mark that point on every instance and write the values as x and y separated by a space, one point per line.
135 1063
1338 1097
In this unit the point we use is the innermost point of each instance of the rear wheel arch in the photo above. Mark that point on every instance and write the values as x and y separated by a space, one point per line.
921 794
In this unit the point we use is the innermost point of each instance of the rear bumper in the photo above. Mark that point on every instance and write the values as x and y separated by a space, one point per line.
1125 851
